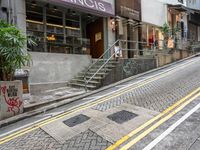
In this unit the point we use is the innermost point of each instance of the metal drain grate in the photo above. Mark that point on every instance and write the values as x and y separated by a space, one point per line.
122 116
76 120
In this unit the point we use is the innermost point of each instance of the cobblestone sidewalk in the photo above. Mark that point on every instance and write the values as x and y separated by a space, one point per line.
160 94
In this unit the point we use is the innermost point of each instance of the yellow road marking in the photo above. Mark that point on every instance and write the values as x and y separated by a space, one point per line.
106 98
125 138
157 124
24 131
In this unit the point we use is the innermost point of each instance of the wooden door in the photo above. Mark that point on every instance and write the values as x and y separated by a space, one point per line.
95 34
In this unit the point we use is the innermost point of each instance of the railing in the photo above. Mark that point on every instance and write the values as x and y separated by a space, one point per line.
98 60
132 46
136 47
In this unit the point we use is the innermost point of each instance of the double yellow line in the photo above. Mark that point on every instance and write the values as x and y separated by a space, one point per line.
85 106
166 114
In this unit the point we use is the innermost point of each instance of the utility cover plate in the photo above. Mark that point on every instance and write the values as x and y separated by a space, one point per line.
71 122
122 116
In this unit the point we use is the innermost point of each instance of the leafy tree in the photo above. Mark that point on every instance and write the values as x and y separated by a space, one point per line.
13 53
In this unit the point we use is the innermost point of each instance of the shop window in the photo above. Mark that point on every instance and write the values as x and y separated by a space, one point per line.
54 25
56 30
35 26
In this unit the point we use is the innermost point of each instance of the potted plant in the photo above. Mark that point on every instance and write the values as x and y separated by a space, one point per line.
13 56
169 33
165 31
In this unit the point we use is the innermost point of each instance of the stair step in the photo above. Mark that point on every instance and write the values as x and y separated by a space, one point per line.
91 73
88 77
103 70
83 81
83 85
106 66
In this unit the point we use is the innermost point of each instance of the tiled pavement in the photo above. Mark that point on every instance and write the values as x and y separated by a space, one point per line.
39 140
160 94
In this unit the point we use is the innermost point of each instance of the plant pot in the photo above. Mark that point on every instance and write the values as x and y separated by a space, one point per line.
11 103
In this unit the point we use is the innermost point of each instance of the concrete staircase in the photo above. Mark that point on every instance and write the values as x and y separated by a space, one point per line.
96 81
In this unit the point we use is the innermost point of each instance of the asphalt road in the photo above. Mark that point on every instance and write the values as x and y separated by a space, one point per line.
175 88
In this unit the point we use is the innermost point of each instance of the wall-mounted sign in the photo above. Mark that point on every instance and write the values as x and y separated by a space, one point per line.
98 37
94 6
129 9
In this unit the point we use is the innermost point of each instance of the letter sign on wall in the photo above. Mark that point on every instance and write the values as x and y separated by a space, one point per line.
94 6
129 8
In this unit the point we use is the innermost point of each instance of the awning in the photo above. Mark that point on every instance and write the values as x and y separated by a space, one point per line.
97 7
181 8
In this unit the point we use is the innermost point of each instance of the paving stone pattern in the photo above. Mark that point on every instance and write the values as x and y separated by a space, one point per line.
39 140
87 140
159 94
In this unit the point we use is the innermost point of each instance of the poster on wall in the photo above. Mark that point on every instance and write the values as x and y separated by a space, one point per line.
98 36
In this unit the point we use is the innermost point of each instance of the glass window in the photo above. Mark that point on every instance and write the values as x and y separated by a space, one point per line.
56 29
35 26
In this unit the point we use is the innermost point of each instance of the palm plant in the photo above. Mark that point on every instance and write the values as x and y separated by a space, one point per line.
165 31
12 51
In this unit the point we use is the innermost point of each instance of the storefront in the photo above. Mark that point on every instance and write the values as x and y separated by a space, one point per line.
153 18
67 26
194 26
128 25
151 37
178 18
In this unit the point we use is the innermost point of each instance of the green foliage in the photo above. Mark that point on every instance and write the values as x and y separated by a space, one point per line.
13 54
165 30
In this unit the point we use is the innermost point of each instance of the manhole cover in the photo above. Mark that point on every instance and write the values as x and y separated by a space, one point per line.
76 120
122 116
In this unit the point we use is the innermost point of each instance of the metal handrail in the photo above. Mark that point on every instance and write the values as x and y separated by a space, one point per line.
100 68
101 56
107 60
85 74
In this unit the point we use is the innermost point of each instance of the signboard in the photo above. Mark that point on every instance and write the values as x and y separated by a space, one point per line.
129 9
95 6
98 36
11 102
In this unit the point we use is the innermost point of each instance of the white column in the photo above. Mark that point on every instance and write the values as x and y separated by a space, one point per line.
19 15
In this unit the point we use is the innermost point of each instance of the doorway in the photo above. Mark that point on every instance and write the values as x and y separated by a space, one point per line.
94 31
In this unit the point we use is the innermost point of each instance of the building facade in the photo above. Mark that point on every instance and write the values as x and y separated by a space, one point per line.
68 34
194 19
63 26
173 12
128 19
152 23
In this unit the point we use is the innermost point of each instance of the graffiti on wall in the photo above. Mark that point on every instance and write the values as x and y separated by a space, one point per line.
10 97
133 67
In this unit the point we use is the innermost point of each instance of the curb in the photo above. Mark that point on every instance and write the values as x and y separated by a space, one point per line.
64 101
40 104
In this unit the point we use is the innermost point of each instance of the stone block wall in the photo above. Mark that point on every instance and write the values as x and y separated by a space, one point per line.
129 67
